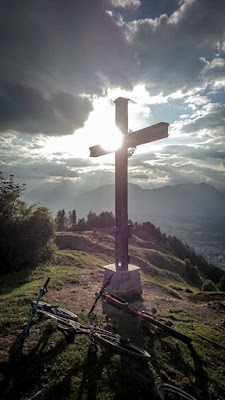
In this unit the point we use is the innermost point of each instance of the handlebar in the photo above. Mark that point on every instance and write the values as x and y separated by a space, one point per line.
46 283
98 295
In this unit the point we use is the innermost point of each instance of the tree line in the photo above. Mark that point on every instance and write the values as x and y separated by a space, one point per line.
67 221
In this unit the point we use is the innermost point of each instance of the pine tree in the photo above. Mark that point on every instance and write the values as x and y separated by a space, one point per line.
74 219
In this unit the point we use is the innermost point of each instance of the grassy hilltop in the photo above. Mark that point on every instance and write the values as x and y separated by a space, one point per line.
173 279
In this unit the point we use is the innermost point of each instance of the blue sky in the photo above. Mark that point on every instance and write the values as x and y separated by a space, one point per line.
64 63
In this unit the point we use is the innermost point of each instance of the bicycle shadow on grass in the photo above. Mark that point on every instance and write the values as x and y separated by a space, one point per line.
144 335
93 368
127 326
22 372
133 380
170 363
120 375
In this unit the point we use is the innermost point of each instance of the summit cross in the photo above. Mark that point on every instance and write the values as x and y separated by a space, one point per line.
130 142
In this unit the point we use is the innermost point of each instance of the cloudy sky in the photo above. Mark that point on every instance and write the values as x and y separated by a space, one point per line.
63 63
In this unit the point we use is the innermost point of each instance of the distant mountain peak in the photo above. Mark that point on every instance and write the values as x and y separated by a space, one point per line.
196 186
182 200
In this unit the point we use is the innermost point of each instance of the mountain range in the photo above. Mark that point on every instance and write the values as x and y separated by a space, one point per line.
185 200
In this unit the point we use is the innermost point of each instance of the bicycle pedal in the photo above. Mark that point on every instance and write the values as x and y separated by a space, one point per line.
70 338
69 333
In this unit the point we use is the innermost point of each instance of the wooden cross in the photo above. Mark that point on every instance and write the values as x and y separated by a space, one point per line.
130 141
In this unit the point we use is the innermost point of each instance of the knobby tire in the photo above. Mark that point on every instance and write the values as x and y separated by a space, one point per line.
170 392
113 343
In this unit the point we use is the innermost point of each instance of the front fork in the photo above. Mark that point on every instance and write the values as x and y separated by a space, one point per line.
25 331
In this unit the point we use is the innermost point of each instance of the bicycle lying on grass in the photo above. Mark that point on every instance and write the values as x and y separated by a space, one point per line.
159 324
68 324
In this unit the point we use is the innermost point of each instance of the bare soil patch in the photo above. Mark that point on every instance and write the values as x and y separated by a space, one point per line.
80 297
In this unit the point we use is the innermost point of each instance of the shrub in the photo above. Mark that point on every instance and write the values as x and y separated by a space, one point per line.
192 272
26 232
209 286
222 284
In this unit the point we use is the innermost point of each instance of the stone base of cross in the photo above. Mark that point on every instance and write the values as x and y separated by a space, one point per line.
126 278
124 283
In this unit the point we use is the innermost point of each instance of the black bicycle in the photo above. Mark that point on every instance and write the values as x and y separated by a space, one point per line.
67 323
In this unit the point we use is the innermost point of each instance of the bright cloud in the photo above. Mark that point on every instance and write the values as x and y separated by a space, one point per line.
126 3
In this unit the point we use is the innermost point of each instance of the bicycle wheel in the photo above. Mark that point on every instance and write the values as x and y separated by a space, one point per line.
169 392
60 312
120 346
166 328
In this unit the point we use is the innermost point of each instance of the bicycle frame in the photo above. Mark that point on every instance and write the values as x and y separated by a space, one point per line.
43 290
124 306
100 294
73 325
159 324
63 321
70 328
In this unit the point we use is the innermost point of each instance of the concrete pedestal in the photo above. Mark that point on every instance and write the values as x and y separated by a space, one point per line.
123 283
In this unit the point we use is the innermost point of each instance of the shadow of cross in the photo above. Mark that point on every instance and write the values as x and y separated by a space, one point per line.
130 141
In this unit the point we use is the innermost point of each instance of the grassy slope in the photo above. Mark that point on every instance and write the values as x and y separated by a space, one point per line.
50 368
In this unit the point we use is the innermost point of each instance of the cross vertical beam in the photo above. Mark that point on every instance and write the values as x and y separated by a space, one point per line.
126 278
121 209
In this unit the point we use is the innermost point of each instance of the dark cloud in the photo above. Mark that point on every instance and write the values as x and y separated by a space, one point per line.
76 162
140 158
139 177
211 116
37 170
203 154
25 109
66 44
51 52
75 46
170 50
215 69
196 153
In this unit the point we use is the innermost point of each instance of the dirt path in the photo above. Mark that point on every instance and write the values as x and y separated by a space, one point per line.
80 297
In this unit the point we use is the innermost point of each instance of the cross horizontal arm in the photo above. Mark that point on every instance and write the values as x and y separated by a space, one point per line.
96 151
147 135
142 136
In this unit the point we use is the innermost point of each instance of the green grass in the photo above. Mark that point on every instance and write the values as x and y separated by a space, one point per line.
49 368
